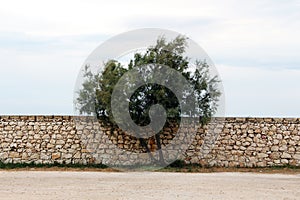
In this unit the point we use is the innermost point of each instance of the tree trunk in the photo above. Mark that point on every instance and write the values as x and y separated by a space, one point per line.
144 144
161 156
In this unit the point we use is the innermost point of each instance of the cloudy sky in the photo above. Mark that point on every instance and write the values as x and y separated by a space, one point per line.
254 44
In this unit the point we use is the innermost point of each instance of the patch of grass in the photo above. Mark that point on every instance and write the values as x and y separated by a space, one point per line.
181 166
177 166
55 164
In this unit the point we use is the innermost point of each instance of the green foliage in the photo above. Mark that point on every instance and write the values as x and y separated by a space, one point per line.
95 95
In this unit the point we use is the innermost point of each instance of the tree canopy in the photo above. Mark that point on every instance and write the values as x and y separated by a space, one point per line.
95 95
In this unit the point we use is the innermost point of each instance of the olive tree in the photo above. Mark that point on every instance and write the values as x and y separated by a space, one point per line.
95 95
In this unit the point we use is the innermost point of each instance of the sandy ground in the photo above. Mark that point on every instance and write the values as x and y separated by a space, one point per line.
146 185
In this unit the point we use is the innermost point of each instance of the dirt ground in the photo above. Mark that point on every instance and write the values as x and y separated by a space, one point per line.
147 185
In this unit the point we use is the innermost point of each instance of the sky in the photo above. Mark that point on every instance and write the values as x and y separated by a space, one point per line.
254 45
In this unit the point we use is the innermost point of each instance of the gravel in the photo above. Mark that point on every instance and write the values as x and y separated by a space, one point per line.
147 185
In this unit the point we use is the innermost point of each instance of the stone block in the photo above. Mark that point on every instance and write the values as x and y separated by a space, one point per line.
55 156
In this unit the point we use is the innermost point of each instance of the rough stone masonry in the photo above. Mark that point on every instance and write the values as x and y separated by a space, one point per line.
243 142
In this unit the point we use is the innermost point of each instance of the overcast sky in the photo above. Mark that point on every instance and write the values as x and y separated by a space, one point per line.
254 44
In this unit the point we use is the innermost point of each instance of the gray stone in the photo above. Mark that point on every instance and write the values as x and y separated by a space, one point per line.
285 155
262 155
296 156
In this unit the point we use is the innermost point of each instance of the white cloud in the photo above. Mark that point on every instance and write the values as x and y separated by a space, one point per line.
253 91
85 17
257 38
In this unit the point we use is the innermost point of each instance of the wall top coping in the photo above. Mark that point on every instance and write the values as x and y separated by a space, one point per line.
38 118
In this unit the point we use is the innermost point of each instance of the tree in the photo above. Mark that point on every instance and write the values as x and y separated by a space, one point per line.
96 92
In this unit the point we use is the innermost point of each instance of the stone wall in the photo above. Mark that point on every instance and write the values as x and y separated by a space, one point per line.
254 142
241 141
